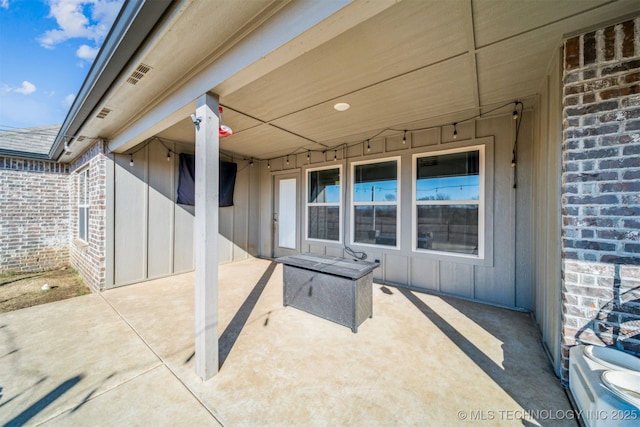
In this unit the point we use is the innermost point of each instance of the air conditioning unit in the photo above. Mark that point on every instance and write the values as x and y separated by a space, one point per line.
605 385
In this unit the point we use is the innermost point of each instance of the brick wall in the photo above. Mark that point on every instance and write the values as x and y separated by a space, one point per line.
39 216
34 215
601 190
89 258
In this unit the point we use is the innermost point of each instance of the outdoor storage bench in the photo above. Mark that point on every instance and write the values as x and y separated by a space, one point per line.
334 288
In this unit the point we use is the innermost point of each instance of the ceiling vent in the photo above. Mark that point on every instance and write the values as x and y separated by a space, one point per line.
81 138
139 73
103 113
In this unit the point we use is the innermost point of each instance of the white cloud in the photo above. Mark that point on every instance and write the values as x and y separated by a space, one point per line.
84 19
27 88
4 4
87 52
69 15
68 100
104 12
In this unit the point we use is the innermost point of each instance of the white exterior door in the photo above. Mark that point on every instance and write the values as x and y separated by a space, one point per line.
286 236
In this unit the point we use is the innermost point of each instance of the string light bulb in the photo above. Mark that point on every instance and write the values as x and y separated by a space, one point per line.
515 112
131 160
268 164
168 156
335 155
287 159
455 131
368 146
308 156
404 137
251 163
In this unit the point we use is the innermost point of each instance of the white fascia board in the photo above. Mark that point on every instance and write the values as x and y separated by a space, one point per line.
293 31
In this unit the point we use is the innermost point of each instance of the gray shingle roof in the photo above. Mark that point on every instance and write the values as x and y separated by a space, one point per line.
36 140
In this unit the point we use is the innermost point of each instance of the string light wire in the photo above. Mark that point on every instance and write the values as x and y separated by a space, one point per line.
367 141
517 116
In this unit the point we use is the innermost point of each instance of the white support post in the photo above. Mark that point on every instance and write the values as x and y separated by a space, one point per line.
206 236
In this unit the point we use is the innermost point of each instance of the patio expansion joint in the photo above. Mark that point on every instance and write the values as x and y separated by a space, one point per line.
95 396
164 362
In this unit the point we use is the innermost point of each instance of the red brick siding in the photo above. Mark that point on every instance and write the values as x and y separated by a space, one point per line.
601 190
89 258
39 216
34 215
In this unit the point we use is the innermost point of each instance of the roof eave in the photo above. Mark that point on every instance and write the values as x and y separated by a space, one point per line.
129 31
24 155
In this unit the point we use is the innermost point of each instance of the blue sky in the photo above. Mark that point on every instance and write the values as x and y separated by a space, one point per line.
46 50
466 187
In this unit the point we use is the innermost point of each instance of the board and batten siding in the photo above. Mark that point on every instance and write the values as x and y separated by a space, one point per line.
153 235
503 277
547 156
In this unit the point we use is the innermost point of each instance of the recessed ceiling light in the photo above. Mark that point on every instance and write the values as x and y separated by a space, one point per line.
342 106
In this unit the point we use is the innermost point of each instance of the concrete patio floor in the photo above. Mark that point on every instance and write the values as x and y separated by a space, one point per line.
125 357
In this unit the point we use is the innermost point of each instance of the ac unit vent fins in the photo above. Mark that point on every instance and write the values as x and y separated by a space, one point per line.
103 113
139 73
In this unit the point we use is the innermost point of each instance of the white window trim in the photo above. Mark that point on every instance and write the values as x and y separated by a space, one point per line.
481 202
307 204
397 203
84 175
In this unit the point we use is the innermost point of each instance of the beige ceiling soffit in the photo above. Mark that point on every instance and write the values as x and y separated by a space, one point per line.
297 134
607 23
225 46
272 125
170 118
130 71
349 16
343 20
555 21
369 86
251 25
471 40
254 48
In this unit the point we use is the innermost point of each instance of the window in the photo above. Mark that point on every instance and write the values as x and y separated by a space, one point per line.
449 201
375 201
324 204
83 205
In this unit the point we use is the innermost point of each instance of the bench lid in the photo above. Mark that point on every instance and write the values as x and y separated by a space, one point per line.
337 266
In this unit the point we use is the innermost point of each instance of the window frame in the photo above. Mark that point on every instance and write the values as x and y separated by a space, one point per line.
397 202
307 204
481 203
83 175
